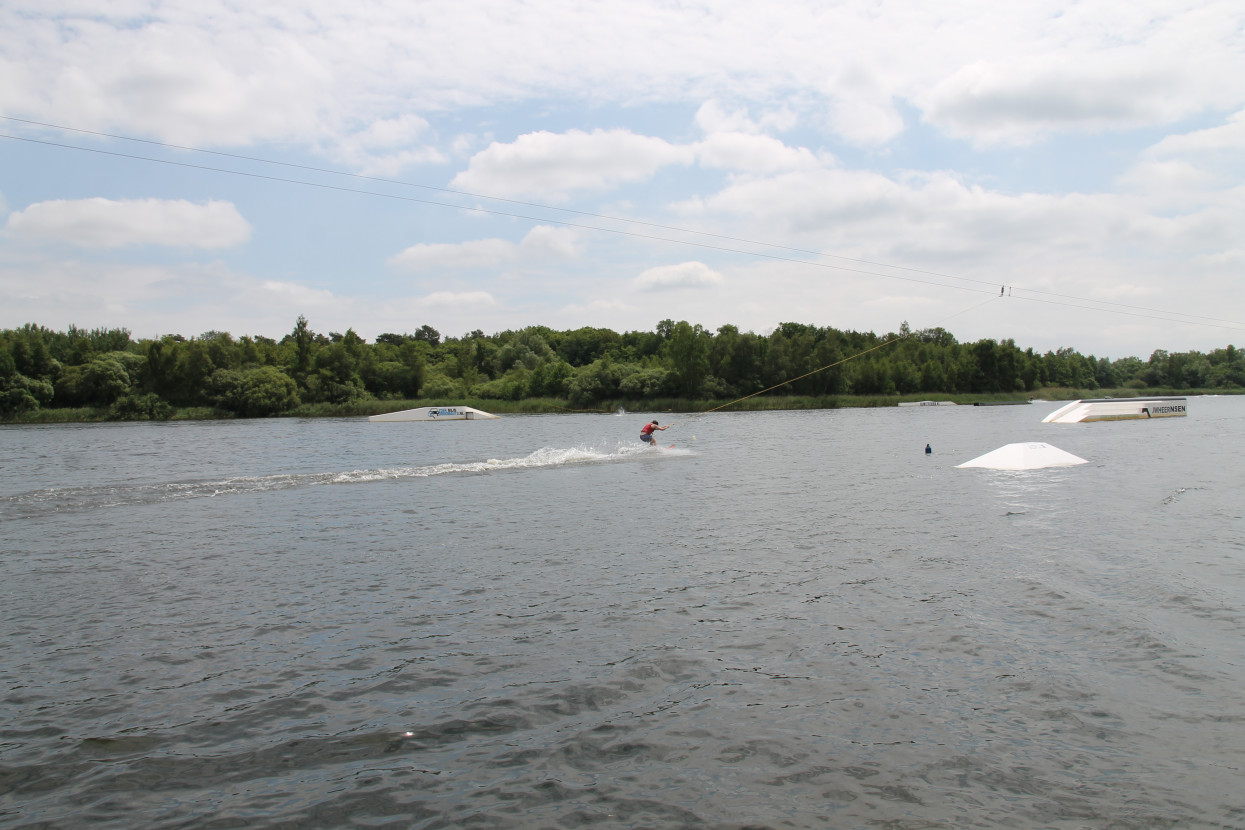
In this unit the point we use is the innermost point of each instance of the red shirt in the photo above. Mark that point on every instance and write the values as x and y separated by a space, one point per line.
647 429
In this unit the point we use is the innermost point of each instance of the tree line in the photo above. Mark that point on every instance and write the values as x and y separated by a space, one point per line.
259 376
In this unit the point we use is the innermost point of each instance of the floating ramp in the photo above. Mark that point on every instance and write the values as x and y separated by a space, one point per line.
1034 455
927 403
435 413
1117 409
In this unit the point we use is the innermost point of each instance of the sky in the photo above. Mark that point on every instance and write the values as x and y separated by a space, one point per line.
1062 174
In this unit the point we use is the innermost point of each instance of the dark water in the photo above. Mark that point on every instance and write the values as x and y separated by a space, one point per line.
793 620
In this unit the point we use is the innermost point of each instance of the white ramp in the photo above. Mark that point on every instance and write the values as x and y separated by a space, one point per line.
1029 456
1117 409
435 413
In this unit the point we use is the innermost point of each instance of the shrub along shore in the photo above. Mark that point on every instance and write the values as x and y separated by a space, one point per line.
532 406
103 374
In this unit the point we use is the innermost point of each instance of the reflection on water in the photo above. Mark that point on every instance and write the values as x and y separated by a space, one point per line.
797 620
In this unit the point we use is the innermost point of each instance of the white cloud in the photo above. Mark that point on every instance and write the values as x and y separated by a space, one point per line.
1200 170
1078 244
1229 137
752 153
541 243
1176 183
862 109
552 165
712 117
564 100
387 145
147 299
596 307
1024 102
684 275
107 223
464 144
228 80
386 133
452 299
1194 167
1022 72
477 253
79 288
298 295
549 243
221 73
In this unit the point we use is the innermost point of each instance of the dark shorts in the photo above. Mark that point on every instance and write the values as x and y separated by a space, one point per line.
647 438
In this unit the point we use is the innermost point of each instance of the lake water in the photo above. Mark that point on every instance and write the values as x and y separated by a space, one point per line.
791 620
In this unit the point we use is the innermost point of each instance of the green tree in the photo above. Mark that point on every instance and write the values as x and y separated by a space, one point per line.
933 373
1155 371
780 365
161 363
31 356
584 345
872 378
640 382
99 383
428 335
905 377
687 350
551 379
735 359
595 382
1227 367
302 337
336 377
135 407
1128 371
191 372
254 393
19 393
395 372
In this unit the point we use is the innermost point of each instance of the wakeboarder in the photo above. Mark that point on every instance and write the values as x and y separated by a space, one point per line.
646 433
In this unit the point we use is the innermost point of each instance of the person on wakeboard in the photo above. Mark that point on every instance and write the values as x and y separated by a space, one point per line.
646 433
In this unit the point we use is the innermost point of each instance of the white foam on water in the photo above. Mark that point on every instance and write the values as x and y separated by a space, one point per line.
74 499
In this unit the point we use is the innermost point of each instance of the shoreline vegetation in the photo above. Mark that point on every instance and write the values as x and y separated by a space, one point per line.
546 406
79 376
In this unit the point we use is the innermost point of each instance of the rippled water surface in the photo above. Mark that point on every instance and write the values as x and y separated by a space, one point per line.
790 620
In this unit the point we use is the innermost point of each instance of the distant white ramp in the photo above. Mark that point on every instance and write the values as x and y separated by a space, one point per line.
1028 456
435 413
1117 409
